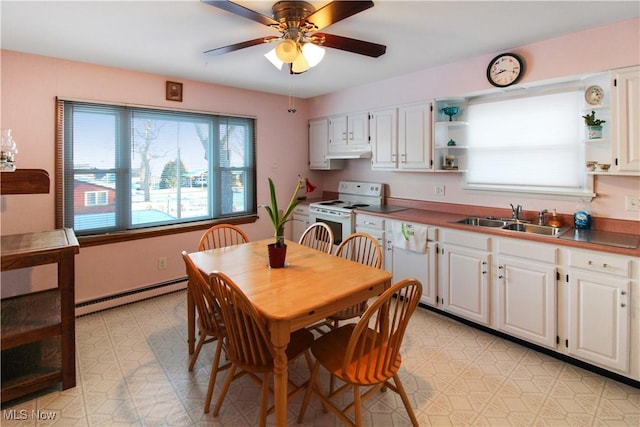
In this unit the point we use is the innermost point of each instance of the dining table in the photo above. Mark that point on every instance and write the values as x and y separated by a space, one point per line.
310 287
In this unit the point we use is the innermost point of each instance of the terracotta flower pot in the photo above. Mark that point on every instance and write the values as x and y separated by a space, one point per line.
277 255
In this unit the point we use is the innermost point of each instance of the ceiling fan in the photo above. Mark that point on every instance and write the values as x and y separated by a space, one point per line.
300 43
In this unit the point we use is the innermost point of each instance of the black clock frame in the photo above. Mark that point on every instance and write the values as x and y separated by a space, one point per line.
513 55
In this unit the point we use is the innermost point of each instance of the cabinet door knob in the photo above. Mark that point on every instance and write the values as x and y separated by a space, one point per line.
623 305
623 293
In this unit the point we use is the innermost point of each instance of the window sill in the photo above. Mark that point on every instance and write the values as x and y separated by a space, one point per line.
146 233
586 195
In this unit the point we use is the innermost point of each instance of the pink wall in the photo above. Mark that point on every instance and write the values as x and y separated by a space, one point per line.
594 50
30 85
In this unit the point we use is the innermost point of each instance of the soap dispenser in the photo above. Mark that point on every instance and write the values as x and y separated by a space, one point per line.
554 221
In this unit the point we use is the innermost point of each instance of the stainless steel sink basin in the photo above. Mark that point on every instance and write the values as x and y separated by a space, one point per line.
513 225
534 229
483 222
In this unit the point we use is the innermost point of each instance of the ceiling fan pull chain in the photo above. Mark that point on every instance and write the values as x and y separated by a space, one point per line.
292 103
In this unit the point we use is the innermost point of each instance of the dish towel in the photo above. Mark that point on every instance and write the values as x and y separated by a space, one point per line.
411 237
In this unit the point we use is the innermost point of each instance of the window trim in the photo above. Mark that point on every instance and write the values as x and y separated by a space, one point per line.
134 234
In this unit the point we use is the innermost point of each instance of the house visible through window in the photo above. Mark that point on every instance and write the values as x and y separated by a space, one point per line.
128 168
95 198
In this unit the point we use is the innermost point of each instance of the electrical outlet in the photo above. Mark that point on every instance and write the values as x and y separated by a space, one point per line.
632 203
162 263
438 190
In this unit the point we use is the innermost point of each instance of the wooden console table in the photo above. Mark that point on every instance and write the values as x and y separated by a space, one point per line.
38 329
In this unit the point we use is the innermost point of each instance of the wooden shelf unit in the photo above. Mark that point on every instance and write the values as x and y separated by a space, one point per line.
24 181
41 321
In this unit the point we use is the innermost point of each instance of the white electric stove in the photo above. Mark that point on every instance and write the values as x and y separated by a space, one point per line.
338 214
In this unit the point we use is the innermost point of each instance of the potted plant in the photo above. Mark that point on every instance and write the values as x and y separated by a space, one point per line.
594 126
279 218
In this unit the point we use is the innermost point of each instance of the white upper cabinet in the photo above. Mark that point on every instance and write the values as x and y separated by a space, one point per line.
349 132
401 138
414 137
626 113
383 128
319 146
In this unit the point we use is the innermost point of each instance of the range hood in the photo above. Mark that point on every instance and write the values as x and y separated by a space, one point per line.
349 155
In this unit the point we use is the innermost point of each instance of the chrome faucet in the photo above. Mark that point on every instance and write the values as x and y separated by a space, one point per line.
515 212
541 216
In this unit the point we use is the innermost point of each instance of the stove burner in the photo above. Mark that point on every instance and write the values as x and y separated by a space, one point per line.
357 205
332 202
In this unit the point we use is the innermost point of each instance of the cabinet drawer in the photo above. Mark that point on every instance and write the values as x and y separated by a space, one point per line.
593 261
527 250
370 221
467 239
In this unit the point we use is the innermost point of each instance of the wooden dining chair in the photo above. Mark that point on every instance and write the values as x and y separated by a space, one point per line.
222 235
362 248
318 236
366 354
210 322
249 345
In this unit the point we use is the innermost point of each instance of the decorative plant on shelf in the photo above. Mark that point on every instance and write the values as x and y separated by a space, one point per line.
594 126
590 120
280 217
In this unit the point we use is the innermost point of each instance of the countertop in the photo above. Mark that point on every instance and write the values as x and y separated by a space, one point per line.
448 220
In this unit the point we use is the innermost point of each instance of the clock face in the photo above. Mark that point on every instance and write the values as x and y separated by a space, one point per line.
505 70
593 95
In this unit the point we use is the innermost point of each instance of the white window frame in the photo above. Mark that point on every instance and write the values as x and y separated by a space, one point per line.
585 188
100 198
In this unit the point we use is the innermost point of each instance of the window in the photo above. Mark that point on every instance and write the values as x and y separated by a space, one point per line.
527 143
127 168
95 198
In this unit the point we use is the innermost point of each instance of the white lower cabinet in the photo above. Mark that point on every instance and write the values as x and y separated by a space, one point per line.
581 303
527 291
600 310
300 220
403 263
465 262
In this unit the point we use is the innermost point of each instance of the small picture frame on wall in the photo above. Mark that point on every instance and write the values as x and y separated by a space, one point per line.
174 91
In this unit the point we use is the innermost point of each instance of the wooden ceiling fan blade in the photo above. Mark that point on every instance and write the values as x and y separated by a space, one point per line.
241 45
336 11
242 11
373 50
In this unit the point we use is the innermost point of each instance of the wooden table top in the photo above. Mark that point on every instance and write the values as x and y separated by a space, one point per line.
312 285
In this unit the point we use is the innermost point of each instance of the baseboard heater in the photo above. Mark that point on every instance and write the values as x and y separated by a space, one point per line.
128 297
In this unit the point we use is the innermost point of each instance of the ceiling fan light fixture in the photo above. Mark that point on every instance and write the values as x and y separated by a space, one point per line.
273 58
300 65
287 51
313 53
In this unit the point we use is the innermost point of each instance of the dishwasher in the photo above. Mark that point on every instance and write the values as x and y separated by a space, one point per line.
411 252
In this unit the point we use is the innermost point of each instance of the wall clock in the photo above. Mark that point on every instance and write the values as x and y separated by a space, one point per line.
505 69
593 95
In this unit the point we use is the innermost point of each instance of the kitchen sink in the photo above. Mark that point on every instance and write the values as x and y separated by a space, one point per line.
513 225
535 229
483 222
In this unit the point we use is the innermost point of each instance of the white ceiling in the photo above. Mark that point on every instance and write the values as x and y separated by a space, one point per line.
169 37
